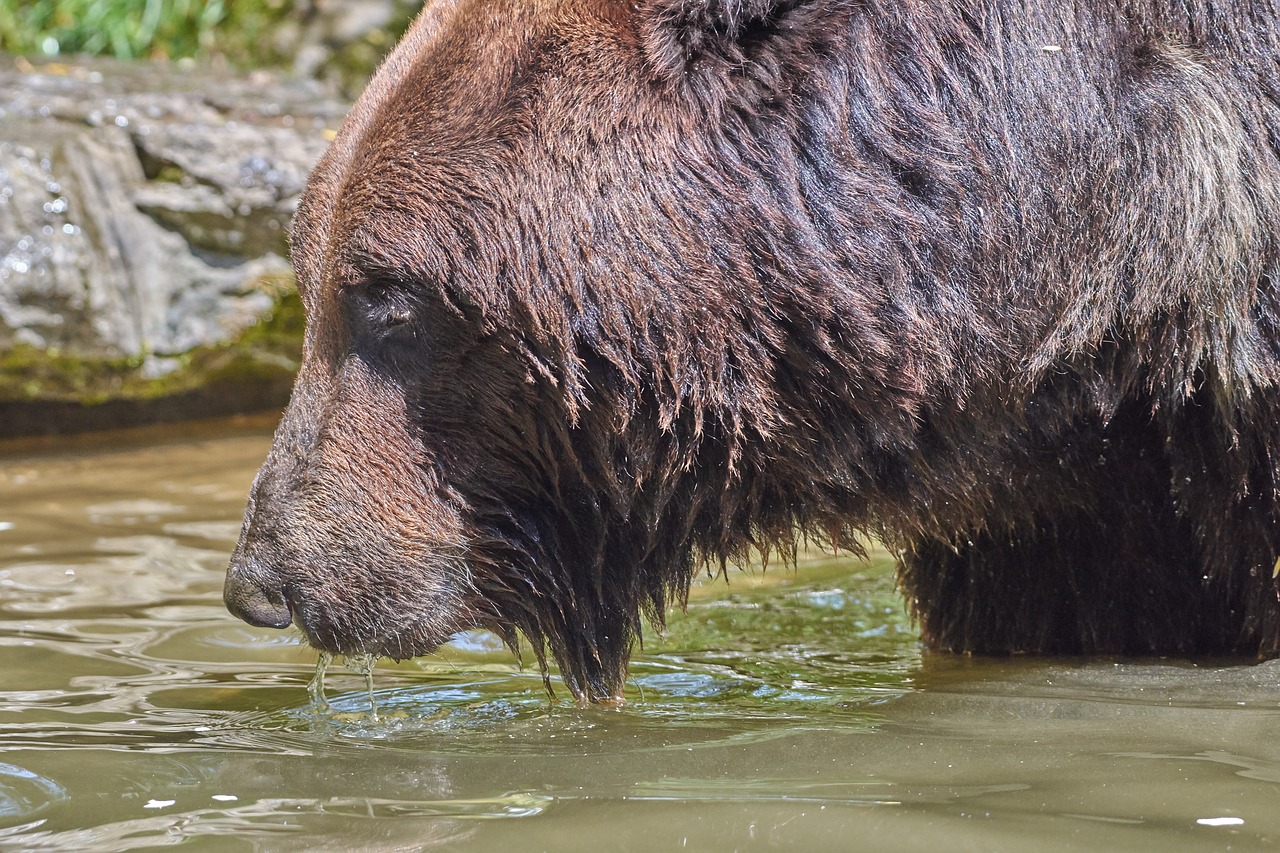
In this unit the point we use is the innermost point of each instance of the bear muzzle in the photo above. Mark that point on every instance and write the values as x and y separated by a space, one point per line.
260 607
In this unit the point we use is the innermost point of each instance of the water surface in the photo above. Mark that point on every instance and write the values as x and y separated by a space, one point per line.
790 710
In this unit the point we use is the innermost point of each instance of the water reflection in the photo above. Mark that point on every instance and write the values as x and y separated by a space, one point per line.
24 794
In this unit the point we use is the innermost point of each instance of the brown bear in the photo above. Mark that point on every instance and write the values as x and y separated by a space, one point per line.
603 291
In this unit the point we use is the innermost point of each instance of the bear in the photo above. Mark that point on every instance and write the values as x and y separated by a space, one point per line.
602 293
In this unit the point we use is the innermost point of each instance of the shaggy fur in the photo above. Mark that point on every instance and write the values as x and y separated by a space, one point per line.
600 291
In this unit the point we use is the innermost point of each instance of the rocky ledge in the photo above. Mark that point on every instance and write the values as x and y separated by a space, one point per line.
143 218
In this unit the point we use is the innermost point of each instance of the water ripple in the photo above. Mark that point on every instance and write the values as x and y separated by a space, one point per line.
24 794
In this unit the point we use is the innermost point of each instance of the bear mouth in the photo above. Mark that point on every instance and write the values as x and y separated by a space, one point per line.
413 638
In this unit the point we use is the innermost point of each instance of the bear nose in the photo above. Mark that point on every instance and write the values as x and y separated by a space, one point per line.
254 604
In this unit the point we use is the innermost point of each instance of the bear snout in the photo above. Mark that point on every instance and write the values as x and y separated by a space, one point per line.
255 603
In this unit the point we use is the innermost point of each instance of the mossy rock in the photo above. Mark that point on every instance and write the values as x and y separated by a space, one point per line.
45 392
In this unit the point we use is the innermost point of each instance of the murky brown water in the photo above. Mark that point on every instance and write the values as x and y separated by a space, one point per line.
792 711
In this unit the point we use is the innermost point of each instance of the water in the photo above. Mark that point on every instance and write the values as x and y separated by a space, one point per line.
784 710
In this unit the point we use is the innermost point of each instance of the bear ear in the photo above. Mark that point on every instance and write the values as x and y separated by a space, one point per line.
677 32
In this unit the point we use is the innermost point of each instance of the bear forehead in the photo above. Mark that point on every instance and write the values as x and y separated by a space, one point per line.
490 89
477 74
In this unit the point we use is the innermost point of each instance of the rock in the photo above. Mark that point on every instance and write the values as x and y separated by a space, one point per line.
144 210
343 40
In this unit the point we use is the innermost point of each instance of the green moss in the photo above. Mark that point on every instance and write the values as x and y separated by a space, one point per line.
266 353
170 174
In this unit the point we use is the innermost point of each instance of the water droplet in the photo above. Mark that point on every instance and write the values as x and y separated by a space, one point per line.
316 686
363 664
1221 821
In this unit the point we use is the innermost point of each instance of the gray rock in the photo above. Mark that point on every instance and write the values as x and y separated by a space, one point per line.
332 25
141 205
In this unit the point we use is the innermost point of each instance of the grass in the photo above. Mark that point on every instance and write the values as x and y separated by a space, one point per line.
143 29
241 33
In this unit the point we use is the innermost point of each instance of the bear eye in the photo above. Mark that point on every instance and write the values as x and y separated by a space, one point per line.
384 311
396 316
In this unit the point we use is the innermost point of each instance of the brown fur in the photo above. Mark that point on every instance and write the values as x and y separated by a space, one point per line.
600 290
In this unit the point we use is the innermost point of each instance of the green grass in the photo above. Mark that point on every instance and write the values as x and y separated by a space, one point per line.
137 29
242 33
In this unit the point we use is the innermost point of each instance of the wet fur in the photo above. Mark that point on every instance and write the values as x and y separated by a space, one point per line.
600 292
